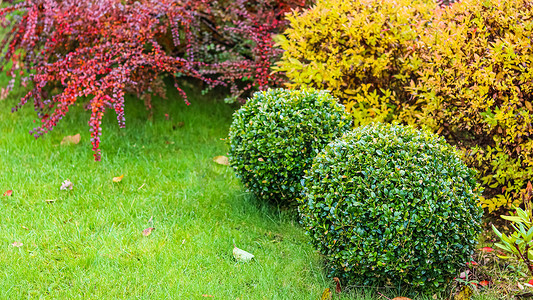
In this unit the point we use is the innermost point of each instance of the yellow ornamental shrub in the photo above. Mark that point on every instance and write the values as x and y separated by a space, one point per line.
363 51
476 86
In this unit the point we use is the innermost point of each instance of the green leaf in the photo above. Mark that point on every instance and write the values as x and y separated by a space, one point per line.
513 219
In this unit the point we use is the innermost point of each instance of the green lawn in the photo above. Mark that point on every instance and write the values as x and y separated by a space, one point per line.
88 243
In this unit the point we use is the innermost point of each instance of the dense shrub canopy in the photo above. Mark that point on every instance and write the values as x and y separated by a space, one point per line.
364 51
101 49
476 88
463 71
276 134
390 204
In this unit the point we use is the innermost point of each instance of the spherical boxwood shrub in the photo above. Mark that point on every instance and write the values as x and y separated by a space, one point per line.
392 205
275 136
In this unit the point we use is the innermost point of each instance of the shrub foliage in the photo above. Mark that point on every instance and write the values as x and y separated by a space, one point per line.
390 204
476 86
276 134
100 49
363 51
461 70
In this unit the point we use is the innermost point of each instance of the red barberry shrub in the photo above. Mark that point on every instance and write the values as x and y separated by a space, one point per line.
100 49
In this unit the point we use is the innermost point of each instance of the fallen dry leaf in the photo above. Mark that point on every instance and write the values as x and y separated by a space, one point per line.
118 179
71 139
8 193
221 160
67 185
148 231
338 282
17 244
484 283
241 255
326 294
520 286
464 274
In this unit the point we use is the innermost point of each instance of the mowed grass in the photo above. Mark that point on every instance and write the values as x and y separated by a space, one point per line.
88 242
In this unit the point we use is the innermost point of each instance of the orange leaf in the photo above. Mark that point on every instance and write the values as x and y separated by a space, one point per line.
8 193
486 249
485 283
71 139
148 231
118 179
338 282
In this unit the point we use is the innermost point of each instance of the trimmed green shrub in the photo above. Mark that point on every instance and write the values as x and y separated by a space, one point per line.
275 136
390 204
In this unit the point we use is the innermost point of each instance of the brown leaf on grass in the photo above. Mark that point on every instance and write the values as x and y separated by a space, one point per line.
118 179
71 139
8 193
208 296
148 231
338 287
17 244
221 160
